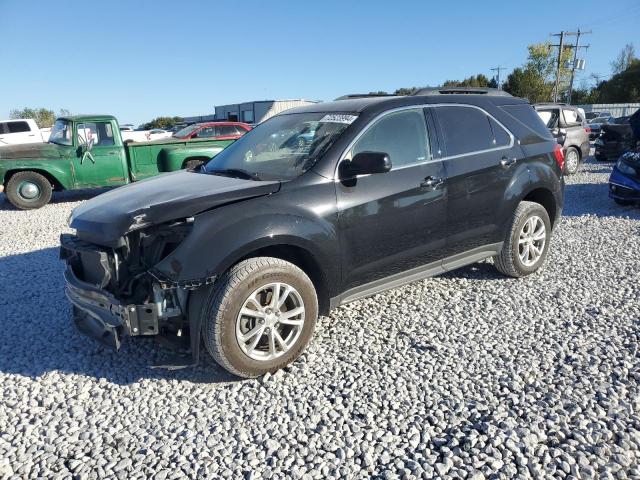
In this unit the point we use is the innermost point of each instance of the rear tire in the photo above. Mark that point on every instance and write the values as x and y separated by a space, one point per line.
527 242
571 161
242 309
28 190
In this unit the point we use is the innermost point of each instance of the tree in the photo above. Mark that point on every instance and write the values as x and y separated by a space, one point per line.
623 87
43 117
535 80
406 91
624 59
162 122
479 80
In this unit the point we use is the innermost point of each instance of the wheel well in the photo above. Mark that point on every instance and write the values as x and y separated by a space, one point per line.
303 260
203 159
57 186
545 198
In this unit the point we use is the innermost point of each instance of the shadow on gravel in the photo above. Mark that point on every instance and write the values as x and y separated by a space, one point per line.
60 197
37 335
593 199
476 271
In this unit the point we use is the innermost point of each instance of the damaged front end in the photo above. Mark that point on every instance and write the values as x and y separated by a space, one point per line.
116 293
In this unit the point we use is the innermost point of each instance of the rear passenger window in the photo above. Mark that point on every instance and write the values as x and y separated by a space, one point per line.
401 135
3 128
500 136
465 129
18 127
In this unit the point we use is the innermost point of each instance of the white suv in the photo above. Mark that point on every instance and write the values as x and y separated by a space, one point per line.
19 131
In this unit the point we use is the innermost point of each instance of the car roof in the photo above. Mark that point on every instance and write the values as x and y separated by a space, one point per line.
358 105
75 118
222 122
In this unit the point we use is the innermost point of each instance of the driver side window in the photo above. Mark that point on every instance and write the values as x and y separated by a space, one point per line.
402 135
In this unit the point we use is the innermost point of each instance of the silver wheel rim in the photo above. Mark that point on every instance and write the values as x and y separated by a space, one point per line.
29 190
270 321
572 160
531 241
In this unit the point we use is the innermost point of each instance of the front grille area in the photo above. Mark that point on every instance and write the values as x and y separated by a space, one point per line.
90 263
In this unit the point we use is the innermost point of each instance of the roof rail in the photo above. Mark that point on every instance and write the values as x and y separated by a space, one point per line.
463 90
351 96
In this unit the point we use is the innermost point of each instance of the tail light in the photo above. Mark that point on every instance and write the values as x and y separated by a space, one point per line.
587 129
559 156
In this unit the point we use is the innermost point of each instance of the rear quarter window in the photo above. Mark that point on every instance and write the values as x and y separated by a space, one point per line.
528 126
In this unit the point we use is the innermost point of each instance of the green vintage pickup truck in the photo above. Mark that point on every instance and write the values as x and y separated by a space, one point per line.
87 151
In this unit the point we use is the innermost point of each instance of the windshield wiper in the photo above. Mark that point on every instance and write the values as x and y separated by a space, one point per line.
236 172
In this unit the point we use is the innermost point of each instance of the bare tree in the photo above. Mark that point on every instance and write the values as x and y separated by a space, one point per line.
623 59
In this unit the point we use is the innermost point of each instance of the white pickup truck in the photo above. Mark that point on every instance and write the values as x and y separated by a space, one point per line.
19 131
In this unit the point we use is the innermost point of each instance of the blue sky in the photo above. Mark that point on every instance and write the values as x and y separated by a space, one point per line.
141 59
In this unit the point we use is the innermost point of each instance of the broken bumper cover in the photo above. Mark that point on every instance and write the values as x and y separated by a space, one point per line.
101 316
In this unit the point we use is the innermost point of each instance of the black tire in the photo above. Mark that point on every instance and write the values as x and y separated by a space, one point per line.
222 307
193 164
624 203
15 190
508 261
571 167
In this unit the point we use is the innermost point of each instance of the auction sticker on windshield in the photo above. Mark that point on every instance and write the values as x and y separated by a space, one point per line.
338 118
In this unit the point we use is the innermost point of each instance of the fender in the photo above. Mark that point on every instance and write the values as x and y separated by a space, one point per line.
56 170
222 236
173 158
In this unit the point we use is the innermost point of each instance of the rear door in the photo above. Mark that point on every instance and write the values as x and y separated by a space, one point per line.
480 158
103 164
392 222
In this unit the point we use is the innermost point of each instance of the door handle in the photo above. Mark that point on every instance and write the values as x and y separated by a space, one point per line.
507 162
431 183
112 153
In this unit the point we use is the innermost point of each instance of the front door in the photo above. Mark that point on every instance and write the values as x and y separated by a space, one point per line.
391 222
99 159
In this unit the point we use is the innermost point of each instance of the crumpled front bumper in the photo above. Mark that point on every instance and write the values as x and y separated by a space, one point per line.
101 316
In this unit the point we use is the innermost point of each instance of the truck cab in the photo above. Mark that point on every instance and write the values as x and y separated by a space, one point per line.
87 151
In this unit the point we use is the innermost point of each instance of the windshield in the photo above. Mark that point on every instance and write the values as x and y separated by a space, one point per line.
185 131
61 132
598 120
282 148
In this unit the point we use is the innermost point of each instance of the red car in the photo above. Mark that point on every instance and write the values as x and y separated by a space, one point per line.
214 130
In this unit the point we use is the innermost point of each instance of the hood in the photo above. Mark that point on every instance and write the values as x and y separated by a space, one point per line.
171 196
30 150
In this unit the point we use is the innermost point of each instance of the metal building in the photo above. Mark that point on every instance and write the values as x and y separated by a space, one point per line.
258 111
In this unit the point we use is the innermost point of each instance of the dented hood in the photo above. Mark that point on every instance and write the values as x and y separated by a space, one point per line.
106 218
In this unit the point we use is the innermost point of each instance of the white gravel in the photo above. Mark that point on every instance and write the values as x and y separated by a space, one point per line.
468 375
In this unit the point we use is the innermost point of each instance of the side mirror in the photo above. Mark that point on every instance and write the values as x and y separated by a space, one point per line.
365 163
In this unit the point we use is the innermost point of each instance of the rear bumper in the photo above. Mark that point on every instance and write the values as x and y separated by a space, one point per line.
101 316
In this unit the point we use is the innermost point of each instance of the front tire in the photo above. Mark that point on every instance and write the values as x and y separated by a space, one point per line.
28 190
571 161
193 165
527 243
259 316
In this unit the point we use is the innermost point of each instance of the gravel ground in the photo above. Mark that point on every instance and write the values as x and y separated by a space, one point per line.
468 375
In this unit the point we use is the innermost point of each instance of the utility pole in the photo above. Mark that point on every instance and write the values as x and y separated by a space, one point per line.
560 47
497 69
575 58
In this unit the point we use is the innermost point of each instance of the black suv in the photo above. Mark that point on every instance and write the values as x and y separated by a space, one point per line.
245 253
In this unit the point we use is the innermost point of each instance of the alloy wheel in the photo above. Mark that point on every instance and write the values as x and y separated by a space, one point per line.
531 241
270 321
